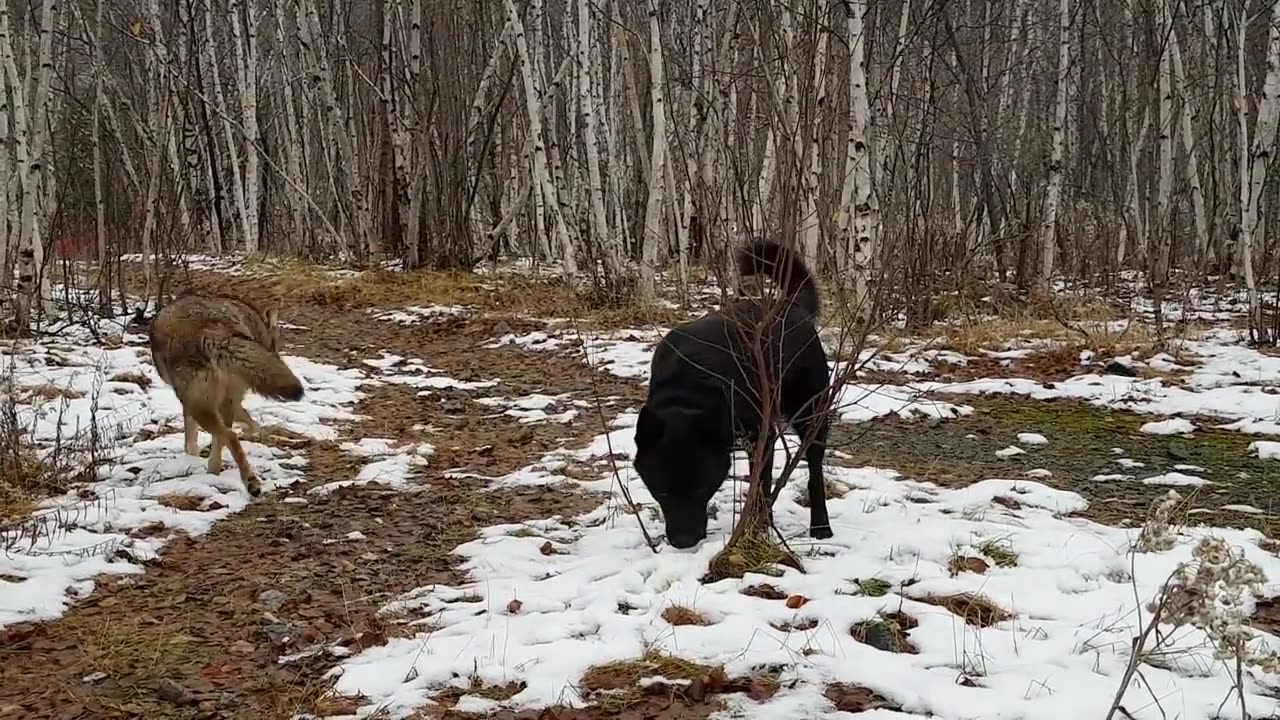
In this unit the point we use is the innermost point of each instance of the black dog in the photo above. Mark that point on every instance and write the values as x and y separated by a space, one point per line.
704 393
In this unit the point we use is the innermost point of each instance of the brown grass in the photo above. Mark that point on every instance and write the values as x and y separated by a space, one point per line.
856 699
134 377
615 685
681 615
765 591
53 392
755 553
977 610
508 293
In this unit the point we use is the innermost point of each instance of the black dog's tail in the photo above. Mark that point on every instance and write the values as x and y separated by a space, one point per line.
784 266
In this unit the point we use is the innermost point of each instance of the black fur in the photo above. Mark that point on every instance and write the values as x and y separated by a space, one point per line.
704 392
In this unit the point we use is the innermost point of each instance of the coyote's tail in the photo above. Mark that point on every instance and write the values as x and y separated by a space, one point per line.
766 257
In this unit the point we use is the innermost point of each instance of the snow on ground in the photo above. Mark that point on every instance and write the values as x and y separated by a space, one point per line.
599 598
1172 426
1076 591
414 314
62 387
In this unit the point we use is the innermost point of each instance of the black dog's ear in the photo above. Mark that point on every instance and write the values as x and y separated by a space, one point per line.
649 428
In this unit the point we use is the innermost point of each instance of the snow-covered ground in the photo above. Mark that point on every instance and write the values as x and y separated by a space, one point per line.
64 387
1076 591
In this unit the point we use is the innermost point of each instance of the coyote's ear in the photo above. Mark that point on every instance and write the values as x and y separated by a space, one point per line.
273 317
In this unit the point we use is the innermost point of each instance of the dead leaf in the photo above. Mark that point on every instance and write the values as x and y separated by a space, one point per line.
795 602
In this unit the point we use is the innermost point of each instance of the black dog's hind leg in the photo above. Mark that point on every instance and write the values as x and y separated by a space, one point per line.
814 455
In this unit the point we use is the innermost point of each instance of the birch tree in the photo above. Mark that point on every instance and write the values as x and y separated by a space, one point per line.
654 234
1053 195
1255 155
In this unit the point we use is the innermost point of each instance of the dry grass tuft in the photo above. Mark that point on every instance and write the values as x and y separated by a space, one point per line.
134 377
857 699
681 615
977 610
52 392
624 674
1000 551
615 686
755 552
764 591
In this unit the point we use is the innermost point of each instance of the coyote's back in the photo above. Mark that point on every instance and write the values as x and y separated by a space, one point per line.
232 342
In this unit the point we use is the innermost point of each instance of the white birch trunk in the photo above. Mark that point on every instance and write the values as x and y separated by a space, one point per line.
30 129
654 234
1255 157
1049 226
859 219
246 56
1163 228
545 200
228 131
1189 145
293 154
610 250
810 226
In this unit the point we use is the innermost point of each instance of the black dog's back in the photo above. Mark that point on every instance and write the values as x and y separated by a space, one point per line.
706 375
718 354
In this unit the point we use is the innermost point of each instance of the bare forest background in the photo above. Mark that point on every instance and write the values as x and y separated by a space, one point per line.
910 148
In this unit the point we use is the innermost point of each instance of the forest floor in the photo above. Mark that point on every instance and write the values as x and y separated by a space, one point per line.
444 532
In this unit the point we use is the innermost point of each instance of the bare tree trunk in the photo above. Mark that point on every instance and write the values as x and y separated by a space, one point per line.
1049 226
31 129
654 234
609 248
1163 229
1186 116
1255 157
246 54
859 209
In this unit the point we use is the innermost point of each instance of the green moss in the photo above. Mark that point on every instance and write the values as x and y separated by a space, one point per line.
1081 441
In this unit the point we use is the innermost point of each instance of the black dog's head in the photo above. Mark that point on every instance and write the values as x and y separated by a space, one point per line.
683 457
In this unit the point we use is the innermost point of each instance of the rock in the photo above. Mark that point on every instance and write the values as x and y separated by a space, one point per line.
273 599
1118 368
172 692
281 634
881 636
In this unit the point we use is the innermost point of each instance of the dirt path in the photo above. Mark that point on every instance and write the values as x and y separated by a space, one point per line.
201 633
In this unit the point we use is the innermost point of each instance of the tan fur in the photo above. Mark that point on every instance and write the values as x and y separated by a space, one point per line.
212 349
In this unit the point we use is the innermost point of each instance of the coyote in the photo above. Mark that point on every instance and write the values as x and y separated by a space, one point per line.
212 349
